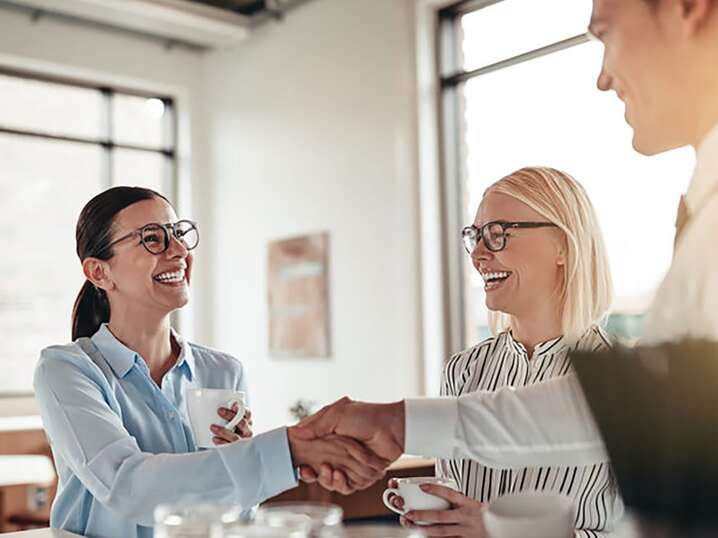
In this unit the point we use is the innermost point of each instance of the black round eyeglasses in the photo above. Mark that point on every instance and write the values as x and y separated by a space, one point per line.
494 234
156 237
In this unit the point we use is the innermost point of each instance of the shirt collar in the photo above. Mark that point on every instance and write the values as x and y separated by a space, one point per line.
186 358
118 355
552 346
121 358
705 177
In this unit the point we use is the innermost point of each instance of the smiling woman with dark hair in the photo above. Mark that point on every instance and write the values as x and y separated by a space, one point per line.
113 402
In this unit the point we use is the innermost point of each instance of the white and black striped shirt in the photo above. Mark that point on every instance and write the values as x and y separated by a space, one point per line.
503 362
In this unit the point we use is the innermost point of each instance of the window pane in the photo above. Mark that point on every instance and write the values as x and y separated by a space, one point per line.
548 112
50 108
138 121
140 168
44 185
511 27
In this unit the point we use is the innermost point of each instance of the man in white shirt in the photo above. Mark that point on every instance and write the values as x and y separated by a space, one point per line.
661 59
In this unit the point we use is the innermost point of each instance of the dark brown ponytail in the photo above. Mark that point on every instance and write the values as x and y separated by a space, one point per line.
91 310
93 236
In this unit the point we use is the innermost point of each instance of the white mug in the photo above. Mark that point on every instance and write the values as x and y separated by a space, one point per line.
202 406
414 498
535 514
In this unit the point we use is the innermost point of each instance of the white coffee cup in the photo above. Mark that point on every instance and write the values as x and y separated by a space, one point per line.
202 406
414 498
535 514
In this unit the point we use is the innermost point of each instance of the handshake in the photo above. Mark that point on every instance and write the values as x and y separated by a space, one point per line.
347 446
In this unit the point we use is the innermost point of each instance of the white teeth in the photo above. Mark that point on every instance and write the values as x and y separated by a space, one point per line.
488 277
176 276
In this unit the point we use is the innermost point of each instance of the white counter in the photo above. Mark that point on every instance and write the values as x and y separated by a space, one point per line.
16 424
22 470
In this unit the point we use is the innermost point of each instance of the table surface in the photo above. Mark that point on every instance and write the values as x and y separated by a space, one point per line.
411 462
627 529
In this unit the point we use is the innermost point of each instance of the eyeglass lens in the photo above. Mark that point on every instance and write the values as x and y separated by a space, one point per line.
156 238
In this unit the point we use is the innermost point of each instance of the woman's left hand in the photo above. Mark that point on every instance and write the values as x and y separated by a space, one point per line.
462 520
223 436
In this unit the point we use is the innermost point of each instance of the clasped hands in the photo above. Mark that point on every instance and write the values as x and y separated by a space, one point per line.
348 445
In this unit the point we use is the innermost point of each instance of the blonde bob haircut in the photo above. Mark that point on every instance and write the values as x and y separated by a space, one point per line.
586 289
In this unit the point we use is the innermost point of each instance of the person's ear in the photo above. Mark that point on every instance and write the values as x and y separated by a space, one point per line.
694 14
561 249
98 273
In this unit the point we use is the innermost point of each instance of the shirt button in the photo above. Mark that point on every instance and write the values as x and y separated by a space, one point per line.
171 415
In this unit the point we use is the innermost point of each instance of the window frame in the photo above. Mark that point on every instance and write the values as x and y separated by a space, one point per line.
106 142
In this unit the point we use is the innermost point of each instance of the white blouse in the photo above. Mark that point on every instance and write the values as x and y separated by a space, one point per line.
502 362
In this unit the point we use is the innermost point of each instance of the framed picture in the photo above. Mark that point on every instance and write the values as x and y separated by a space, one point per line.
299 297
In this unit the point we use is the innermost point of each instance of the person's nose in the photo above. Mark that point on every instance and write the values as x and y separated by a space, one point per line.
481 253
176 248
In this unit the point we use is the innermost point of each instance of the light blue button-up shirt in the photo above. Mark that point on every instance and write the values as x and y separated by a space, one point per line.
123 445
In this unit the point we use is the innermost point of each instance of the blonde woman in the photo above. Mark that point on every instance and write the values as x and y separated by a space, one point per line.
538 247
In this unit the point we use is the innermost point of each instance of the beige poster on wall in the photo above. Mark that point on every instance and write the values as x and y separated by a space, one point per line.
298 297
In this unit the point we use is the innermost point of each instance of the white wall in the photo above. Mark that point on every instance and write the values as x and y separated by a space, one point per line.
309 125
70 49
312 126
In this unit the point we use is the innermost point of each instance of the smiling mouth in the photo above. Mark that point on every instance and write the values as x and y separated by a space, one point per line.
495 279
170 277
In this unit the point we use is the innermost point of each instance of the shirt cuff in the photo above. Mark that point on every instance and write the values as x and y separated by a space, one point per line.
277 461
260 467
431 425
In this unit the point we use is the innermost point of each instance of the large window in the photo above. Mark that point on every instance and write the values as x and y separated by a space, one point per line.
519 83
61 142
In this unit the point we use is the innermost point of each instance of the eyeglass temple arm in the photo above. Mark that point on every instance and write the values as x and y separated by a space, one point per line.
134 232
530 225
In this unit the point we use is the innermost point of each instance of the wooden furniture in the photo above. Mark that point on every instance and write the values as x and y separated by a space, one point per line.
15 470
362 504
42 533
24 436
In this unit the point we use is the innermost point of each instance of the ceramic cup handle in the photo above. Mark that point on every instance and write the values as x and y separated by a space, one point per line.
387 500
232 424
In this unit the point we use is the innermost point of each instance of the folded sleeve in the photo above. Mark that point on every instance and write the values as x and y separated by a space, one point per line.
88 434
545 424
